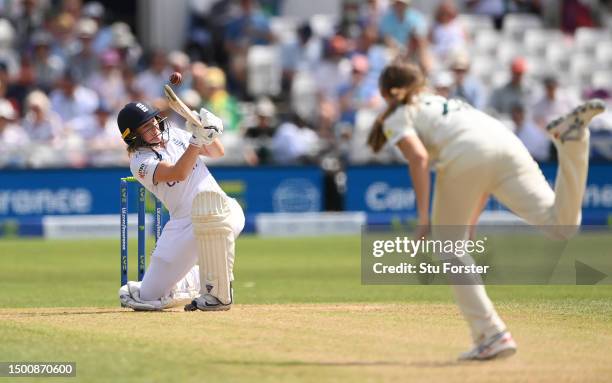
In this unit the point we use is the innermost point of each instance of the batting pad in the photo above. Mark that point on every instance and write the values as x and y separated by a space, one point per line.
210 216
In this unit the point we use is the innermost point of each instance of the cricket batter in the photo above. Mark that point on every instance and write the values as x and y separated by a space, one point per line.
474 156
204 221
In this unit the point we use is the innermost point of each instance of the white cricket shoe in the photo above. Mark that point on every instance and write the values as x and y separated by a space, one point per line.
500 345
572 126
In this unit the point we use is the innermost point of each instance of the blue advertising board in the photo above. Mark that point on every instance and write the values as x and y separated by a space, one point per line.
36 193
385 192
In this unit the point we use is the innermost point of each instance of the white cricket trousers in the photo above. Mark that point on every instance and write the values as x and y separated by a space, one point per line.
177 252
510 174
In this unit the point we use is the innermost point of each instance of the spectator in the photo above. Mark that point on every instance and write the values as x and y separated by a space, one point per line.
576 14
22 85
103 39
516 91
98 130
41 123
357 93
465 86
442 83
179 62
71 100
371 13
294 143
534 138
260 135
64 39
12 135
153 79
334 69
404 29
108 81
304 54
29 19
553 104
248 26
125 43
8 55
48 67
85 60
216 99
493 8
72 8
447 34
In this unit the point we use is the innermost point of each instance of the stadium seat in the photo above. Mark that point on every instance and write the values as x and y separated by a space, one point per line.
516 24
483 67
499 78
284 28
323 25
264 70
536 40
586 39
508 50
486 41
602 79
580 69
537 67
557 57
304 95
603 54
475 23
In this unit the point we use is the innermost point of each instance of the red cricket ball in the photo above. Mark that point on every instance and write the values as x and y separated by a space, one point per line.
176 78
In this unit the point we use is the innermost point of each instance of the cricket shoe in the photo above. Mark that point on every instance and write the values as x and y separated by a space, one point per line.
572 126
207 302
500 345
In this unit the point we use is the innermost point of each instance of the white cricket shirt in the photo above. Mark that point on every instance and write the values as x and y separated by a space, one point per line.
176 196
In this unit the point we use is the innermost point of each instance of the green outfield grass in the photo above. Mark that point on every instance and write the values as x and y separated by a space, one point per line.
301 314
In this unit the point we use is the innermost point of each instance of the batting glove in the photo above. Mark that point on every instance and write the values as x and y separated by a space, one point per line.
211 128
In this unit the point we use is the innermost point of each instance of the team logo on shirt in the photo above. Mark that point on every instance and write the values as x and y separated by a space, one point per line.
179 143
142 171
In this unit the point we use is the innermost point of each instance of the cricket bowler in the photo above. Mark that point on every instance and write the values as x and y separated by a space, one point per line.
204 221
475 155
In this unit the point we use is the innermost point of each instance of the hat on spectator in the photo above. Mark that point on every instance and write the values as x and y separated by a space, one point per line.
265 107
178 59
39 99
6 110
7 33
442 80
215 78
191 98
460 60
94 10
519 65
122 35
86 28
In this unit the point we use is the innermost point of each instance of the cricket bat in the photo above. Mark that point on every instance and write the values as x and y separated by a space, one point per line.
179 106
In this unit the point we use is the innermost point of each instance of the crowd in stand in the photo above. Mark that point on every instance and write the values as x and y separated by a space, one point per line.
289 91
